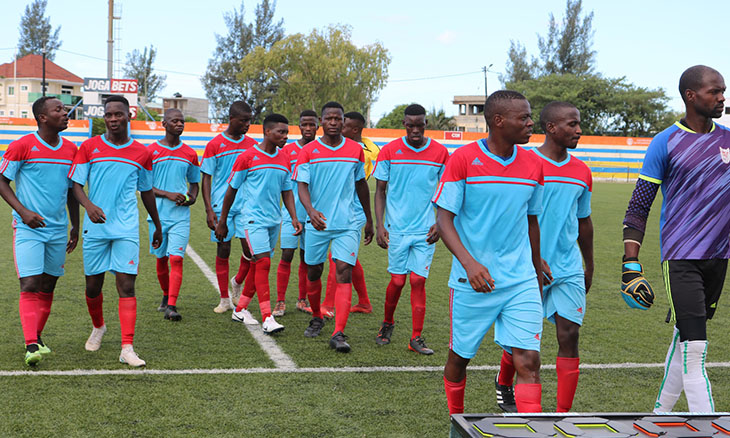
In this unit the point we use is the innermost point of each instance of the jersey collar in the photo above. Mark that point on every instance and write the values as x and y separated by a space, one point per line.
319 140
43 142
684 128
504 162
232 140
172 148
421 149
276 151
553 162
112 145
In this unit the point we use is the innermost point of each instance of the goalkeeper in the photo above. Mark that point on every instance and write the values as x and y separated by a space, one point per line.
690 160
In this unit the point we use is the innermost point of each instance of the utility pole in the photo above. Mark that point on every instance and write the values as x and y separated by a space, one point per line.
485 69
43 84
110 41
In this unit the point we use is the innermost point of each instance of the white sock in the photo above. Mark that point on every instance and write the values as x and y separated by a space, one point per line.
697 386
671 387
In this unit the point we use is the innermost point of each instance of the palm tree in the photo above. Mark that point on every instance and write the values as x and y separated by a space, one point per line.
437 120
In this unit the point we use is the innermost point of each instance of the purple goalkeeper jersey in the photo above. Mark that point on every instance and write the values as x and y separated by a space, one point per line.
694 172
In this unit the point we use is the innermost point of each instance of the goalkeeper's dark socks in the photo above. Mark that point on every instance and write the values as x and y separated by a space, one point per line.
506 370
528 397
455 395
567 370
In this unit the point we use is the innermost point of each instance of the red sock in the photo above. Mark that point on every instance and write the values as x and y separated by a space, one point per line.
314 293
418 303
28 308
392 295
528 397
243 269
44 309
567 369
249 290
221 272
163 275
127 318
506 370
283 271
302 280
358 282
343 299
262 267
96 310
455 395
176 274
329 294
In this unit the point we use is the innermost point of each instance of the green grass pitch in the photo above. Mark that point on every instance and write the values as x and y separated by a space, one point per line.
314 404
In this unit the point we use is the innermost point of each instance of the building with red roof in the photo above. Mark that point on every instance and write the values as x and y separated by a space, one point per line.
20 86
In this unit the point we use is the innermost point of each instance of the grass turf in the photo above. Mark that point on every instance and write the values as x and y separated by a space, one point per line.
321 404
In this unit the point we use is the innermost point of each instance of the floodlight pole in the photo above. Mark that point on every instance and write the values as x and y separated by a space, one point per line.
43 84
110 42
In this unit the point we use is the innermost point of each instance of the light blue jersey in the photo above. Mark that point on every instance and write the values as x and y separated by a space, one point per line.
412 175
173 168
218 158
331 173
114 175
261 177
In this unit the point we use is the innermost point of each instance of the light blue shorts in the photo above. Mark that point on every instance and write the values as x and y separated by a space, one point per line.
515 312
288 239
114 255
345 246
235 227
175 237
409 253
38 251
261 240
567 298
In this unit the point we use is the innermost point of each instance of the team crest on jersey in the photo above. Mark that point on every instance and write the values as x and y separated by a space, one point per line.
725 155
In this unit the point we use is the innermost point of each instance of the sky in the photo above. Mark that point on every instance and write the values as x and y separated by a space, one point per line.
438 48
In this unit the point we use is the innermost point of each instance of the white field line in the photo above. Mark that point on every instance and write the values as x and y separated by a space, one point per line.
267 343
281 370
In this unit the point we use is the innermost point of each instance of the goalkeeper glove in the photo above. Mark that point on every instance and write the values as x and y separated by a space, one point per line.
635 289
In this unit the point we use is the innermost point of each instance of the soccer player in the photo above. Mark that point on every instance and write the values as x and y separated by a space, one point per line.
218 158
408 170
565 220
115 167
176 176
690 161
352 129
308 125
329 171
488 201
263 172
39 165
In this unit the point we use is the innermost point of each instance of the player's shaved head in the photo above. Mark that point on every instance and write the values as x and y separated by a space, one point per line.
498 102
238 109
693 77
172 113
354 115
116 98
332 105
554 111
39 106
414 109
273 119
307 113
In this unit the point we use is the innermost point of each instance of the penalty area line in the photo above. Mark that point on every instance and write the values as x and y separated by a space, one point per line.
315 370
267 343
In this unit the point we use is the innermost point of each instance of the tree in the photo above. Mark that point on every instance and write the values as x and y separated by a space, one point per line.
219 81
567 48
607 106
36 32
437 120
518 68
394 119
309 70
139 66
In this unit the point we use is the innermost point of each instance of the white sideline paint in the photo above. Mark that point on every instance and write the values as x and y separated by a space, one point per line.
267 343
294 370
